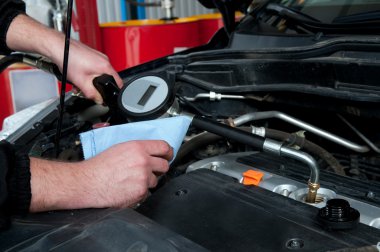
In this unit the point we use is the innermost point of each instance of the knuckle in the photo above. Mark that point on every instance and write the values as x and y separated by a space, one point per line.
137 145
105 65
143 177
143 163
153 183
141 192
165 147
165 166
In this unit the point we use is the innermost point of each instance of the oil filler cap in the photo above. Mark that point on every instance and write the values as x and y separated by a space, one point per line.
338 215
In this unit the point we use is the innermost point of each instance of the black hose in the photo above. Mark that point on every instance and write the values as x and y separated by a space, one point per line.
198 142
228 132
30 60
209 138
9 60
135 3
194 144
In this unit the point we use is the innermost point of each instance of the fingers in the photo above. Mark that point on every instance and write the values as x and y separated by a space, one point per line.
90 91
118 80
159 148
159 165
152 181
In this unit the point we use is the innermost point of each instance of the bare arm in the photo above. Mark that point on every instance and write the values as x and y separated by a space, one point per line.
118 177
27 35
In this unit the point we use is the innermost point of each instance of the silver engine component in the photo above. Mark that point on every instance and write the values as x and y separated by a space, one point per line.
227 165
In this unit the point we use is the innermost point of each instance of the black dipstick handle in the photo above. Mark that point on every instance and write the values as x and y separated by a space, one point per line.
228 132
108 89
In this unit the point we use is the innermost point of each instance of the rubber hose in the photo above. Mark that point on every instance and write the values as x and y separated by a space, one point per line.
228 132
9 60
307 145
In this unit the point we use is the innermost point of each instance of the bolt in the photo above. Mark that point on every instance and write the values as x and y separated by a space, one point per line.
181 192
370 195
213 167
295 244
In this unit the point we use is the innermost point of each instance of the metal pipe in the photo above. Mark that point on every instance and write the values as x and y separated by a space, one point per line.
264 144
305 158
363 137
306 126
313 184
214 96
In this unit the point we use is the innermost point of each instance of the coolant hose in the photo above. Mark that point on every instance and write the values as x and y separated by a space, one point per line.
228 132
307 145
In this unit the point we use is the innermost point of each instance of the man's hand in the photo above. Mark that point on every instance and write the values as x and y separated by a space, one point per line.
117 177
27 35
85 64
123 173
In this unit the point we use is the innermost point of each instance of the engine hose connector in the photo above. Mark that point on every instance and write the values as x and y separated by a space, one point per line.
312 193
277 148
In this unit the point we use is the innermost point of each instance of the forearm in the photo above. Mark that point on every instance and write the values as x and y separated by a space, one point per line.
27 35
58 185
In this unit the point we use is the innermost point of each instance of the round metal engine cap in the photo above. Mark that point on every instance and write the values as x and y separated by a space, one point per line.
145 95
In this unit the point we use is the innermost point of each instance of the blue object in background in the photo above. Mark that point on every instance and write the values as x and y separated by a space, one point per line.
141 11
172 130
123 7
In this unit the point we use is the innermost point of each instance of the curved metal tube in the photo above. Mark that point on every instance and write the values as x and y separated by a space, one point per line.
306 126
304 158
275 147
313 184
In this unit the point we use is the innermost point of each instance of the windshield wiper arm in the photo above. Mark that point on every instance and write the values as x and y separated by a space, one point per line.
358 17
290 13
314 25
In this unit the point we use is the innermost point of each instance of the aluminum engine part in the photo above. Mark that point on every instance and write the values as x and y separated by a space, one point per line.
227 165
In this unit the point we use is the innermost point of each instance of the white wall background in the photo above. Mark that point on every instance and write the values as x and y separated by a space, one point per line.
109 10
183 8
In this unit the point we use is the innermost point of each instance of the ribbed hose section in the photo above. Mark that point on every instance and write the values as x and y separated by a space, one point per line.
309 146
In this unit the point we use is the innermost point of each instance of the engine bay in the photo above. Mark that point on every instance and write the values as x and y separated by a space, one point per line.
313 103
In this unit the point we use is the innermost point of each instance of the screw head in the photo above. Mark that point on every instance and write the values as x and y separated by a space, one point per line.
295 243
181 192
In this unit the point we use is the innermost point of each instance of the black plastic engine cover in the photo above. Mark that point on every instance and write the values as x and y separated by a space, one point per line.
92 230
220 214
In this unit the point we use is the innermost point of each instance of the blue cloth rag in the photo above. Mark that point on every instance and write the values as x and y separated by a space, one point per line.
172 130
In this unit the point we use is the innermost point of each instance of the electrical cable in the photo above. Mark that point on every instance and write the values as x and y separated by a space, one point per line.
64 76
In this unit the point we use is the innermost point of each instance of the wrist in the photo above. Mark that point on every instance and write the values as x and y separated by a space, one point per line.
58 185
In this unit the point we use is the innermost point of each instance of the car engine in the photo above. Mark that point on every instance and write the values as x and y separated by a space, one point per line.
313 100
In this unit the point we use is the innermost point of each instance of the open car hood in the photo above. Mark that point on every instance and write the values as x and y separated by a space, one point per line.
312 98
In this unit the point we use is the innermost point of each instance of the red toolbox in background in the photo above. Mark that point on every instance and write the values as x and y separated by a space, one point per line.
134 42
